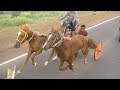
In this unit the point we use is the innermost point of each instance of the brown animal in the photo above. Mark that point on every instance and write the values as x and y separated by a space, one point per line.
35 41
67 49
53 53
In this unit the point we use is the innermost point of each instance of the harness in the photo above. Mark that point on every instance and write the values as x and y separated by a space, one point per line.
25 36
58 39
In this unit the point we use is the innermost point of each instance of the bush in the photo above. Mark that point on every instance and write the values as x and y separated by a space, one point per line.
5 22
16 13
20 17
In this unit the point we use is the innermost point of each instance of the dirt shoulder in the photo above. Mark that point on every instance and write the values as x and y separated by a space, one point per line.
7 38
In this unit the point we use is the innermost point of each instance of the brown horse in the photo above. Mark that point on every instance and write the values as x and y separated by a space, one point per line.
35 41
68 48
53 53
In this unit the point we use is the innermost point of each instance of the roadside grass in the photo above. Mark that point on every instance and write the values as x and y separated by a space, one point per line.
26 17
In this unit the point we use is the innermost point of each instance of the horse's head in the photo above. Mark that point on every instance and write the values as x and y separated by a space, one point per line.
22 35
53 37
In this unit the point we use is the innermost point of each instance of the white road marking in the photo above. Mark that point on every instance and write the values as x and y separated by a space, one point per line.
11 60
102 22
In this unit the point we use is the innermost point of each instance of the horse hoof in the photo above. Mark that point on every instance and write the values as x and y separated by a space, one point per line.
35 64
85 62
65 69
60 69
19 72
74 68
54 58
46 63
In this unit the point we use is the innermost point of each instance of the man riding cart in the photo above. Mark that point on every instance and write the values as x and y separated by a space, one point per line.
71 22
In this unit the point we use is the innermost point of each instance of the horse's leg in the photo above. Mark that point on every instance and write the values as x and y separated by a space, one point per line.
71 64
55 56
71 61
33 56
75 56
27 58
85 52
51 55
65 68
85 59
61 64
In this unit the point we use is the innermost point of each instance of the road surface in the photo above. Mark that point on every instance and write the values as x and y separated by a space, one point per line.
107 67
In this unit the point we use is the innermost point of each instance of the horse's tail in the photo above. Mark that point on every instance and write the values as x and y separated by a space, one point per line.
91 43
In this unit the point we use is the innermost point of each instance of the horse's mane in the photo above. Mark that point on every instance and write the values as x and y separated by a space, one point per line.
62 27
25 27
56 31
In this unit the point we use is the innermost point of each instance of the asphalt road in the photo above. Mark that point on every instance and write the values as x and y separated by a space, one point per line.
107 67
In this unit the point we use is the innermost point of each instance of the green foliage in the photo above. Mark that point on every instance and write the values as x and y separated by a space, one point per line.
16 13
20 17
8 21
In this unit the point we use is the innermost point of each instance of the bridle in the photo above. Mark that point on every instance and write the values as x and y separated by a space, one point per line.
25 36
58 39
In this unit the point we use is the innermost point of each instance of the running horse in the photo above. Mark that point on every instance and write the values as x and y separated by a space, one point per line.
62 29
67 48
35 42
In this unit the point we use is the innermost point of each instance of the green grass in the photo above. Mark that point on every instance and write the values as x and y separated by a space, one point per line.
16 19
